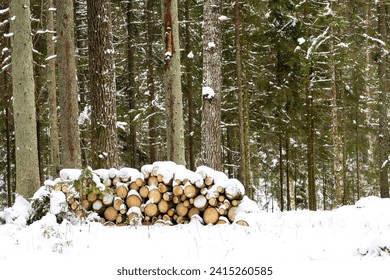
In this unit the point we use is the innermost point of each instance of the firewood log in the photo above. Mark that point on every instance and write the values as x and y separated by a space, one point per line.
155 195
139 182
74 205
118 202
201 202
163 206
190 191
120 219
168 196
108 199
181 210
144 191
176 199
213 201
208 181
235 202
178 190
242 223
151 210
152 181
223 220
171 212
98 206
64 189
86 204
232 213
110 214
133 200
70 199
186 203
134 186
122 190
193 211
164 188
210 216
182 220
92 197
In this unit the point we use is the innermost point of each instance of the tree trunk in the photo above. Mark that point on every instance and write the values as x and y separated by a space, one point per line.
337 142
104 139
244 172
27 165
281 173
132 86
67 86
172 73
212 84
189 90
152 122
52 91
384 88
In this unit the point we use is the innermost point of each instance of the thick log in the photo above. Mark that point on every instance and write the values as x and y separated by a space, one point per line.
152 181
122 190
144 191
98 206
178 190
210 216
64 189
92 197
190 191
204 191
139 182
118 202
232 213
133 200
222 210
86 204
151 209
107 182
220 189
110 214
181 210
74 205
171 212
234 190
221 198
134 186
70 199
164 188
163 206
186 203
193 211
201 202
108 199
235 202
155 195
208 181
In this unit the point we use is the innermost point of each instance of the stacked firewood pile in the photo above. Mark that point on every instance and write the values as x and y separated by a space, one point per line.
163 193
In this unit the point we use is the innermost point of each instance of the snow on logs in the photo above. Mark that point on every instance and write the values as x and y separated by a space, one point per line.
163 193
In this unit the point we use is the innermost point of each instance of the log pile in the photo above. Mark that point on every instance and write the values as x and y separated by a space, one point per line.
163 193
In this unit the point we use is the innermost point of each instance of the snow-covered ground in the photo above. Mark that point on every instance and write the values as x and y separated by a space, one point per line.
352 242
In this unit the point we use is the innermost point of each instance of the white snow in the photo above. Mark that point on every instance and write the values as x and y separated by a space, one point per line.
57 202
210 45
351 242
208 92
223 18
70 174
190 55
50 57
301 40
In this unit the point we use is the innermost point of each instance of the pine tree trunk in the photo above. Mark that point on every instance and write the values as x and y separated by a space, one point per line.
173 92
188 89
104 139
132 86
244 172
384 88
281 173
52 92
152 122
27 165
67 86
212 85
337 143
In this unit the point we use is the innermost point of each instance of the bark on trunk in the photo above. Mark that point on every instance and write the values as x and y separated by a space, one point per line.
212 84
104 139
27 165
173 92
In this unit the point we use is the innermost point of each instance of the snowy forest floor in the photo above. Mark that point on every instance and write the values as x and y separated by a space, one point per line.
352 241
